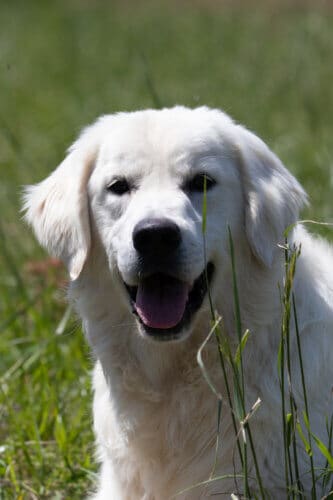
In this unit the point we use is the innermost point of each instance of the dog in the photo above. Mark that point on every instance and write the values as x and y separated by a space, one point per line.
143 211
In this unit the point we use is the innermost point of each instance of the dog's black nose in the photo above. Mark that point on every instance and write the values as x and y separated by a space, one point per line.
156 236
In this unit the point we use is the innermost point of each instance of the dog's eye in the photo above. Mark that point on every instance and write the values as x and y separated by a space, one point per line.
197 183
119 187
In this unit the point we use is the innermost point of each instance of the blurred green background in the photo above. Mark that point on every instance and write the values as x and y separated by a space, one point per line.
63 63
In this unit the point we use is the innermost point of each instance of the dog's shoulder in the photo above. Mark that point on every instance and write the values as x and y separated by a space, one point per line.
314 278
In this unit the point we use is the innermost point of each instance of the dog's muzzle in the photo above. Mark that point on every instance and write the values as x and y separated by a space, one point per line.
164 304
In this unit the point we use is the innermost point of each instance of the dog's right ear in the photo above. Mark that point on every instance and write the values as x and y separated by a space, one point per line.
57 207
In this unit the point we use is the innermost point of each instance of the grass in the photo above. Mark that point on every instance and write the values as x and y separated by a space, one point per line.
62 64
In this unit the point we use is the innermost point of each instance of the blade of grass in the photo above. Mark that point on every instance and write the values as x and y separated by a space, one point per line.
239 372
150 84
218 335
326 478
281 370
208 481
201 363
11 265
305 397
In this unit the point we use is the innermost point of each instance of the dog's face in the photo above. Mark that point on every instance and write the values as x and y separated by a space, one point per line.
146 199
139 183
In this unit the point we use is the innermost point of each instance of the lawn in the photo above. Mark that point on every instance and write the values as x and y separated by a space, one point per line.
63 63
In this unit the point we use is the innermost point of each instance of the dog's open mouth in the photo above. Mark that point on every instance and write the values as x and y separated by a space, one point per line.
164 304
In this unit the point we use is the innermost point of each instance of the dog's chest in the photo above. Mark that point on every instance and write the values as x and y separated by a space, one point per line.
155 440
165 444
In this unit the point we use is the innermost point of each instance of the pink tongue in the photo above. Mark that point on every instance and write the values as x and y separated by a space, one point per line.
161 300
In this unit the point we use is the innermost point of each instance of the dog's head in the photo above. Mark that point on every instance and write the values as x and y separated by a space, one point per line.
137 182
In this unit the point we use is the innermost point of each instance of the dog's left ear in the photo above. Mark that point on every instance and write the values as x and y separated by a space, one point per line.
57 207
273 197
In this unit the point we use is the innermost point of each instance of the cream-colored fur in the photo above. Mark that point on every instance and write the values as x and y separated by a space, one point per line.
155 418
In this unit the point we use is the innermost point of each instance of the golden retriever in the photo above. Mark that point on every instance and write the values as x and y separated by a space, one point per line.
124 211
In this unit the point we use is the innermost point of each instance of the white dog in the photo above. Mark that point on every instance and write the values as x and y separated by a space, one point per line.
124 212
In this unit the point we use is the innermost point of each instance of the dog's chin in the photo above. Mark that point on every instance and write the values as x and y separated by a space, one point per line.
165 307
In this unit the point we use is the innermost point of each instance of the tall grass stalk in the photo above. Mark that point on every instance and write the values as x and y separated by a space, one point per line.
238 407
291 418
150 82
217 330
239 372
305 397
328 474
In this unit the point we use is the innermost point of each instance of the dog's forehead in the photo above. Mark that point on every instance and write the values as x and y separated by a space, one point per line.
158 138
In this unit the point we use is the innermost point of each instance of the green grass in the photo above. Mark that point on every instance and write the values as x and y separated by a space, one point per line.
62 63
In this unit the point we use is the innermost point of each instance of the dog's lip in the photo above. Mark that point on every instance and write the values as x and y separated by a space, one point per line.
196 295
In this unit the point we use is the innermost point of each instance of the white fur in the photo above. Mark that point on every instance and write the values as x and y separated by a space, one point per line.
155 417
